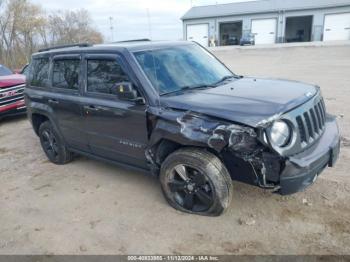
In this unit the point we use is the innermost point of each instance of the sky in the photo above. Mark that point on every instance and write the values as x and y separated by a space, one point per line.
130 19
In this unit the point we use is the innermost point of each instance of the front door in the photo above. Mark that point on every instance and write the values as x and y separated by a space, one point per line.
117 128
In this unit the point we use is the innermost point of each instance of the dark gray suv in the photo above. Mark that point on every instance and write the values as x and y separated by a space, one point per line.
173 110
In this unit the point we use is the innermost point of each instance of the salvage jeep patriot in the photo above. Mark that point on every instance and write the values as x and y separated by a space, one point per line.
172 109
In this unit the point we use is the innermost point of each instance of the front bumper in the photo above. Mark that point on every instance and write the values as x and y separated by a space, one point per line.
15 108
302 170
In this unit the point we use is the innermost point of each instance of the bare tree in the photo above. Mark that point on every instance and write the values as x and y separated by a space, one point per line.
24 28
67 27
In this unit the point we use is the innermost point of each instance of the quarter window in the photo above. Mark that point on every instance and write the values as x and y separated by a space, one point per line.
66 74
40 72
103 75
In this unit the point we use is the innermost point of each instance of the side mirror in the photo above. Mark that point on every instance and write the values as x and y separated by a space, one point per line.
126 91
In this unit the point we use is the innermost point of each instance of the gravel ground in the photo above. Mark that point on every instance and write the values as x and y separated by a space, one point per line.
90 207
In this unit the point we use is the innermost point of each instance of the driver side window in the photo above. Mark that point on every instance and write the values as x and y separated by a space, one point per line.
103 75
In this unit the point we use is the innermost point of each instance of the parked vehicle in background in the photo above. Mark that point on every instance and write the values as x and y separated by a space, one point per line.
247 39
174 110
232 40
11 92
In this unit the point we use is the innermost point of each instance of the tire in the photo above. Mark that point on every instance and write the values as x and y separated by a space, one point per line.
53 145
196 181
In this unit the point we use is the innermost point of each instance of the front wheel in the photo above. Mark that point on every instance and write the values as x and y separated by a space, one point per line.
196 181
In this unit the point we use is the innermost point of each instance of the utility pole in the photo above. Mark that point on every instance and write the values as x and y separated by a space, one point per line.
149 25
111 28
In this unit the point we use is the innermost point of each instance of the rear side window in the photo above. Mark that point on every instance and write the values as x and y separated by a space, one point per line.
66 74
103 75
40 72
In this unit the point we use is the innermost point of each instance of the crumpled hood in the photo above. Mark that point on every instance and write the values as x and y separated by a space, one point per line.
250 101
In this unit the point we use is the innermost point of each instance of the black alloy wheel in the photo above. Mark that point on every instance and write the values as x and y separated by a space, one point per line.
196 181
50 145
191 188
53 145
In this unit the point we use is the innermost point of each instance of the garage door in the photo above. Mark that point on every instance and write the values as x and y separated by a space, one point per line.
264 31
198 33
337 27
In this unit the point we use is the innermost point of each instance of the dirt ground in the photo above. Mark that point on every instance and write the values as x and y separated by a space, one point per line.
90 207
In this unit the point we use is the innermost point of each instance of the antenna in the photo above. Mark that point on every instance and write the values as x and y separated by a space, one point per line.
111 28
149 24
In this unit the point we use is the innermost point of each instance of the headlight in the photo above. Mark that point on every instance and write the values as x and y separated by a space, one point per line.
280 133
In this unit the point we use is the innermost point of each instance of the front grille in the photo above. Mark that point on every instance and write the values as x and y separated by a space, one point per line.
11 95
311 123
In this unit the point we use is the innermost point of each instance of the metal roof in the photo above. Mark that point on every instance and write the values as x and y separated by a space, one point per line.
261 6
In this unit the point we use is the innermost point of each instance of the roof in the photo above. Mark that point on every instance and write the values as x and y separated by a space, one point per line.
142 45
261 6
118 46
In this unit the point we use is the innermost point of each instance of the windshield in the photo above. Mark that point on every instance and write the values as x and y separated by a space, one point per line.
4 71
181 67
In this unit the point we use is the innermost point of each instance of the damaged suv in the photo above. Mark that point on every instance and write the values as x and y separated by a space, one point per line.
172 109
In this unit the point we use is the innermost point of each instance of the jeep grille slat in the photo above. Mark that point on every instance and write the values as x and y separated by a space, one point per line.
318 117
313 116
320 104
311 123
302 129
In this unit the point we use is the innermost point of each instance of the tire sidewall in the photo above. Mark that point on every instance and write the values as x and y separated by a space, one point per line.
60 159
217 181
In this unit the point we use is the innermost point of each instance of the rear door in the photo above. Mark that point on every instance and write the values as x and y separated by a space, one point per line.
65 99
117 128
264 30
198 33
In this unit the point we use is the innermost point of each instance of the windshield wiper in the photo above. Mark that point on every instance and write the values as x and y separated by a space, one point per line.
224 79
185 88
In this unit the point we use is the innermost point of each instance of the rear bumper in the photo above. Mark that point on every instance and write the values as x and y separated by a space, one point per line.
302 170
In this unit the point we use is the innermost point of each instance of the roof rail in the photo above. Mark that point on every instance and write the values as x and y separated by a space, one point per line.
64 46
133 40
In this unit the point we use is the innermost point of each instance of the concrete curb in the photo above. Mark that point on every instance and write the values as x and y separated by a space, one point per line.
283 45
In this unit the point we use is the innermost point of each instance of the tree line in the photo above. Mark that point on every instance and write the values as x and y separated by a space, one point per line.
26 27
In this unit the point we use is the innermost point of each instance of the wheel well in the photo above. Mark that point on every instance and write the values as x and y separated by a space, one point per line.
167 147
37 120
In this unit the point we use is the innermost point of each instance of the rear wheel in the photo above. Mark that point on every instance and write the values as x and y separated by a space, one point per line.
53 145
197 182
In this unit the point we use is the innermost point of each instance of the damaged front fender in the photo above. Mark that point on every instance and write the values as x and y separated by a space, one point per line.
190 128
230 141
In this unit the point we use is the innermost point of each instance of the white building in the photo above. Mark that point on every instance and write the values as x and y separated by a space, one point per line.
270 21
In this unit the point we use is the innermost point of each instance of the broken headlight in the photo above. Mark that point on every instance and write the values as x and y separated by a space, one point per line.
280 133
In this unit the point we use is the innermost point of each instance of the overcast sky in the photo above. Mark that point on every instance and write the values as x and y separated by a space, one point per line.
130 20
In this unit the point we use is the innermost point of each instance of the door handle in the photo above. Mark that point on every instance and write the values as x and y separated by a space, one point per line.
53 101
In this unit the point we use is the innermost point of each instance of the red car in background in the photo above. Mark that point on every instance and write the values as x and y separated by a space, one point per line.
11 92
